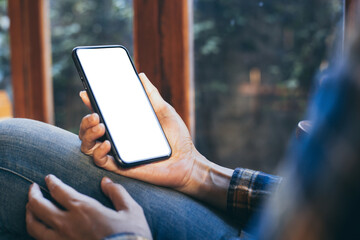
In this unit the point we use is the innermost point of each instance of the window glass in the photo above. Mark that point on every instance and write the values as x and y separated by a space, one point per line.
254 67
79 23
5 76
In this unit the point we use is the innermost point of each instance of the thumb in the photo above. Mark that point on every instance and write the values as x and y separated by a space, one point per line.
118 195
156 100
85 98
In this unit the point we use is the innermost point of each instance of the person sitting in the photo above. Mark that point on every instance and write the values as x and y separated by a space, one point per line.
186 196
197 199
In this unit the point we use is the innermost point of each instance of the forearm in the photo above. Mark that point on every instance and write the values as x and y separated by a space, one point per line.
209 182
226 189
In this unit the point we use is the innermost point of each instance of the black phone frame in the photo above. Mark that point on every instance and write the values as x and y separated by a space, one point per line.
96 108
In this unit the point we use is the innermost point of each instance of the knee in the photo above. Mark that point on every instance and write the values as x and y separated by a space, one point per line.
15 128
9 127
14 132
22 134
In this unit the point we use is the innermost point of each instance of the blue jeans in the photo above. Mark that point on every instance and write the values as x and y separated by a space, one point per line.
29 150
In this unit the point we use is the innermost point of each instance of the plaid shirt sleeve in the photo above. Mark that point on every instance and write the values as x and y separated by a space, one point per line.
247 191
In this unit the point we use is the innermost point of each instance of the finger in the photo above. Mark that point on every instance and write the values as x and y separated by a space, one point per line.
37 229
62 193
156 100
42 208
101 157
90 138
88 122
120 198
85 98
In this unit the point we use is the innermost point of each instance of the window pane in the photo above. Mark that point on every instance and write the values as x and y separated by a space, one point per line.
254 66
5 80
76 23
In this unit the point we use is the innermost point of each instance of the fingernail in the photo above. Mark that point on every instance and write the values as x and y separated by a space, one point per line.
34 187
93 117
48 177
81 93
107 180
51 181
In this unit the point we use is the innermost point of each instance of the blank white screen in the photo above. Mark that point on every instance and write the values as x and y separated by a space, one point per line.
127 113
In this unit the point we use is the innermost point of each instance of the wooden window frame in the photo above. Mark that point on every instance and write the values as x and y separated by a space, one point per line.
350 10
31 59
163 49
162 43
352 15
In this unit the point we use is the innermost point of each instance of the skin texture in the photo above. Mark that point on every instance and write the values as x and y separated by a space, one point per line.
82 217
160 173
186 170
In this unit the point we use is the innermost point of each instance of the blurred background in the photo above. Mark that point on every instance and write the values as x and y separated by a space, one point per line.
254 63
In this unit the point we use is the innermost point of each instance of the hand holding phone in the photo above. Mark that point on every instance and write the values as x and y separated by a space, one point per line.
186 170
117 95
175 172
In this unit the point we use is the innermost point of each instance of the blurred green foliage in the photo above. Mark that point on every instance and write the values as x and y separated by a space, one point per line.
287 41
79 23
288 38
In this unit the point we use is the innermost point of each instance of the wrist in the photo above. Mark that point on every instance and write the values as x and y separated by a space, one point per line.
208 182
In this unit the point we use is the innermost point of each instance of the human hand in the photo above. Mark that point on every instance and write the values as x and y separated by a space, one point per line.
186 170
173 172
83 217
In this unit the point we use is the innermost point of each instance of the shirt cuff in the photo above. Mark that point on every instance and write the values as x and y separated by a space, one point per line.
247 190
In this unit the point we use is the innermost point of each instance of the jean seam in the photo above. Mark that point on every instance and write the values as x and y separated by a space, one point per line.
22 176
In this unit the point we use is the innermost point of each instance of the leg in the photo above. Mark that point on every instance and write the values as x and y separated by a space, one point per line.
29 150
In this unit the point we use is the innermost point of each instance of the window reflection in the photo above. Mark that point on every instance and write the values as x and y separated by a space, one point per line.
254 66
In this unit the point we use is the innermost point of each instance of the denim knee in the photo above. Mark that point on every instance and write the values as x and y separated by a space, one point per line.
16 131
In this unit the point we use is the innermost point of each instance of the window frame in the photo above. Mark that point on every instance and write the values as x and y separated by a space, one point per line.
163 49
30 49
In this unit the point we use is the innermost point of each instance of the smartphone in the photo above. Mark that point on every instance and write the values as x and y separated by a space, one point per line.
118 96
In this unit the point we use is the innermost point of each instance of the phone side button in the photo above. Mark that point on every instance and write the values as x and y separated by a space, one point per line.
84 84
